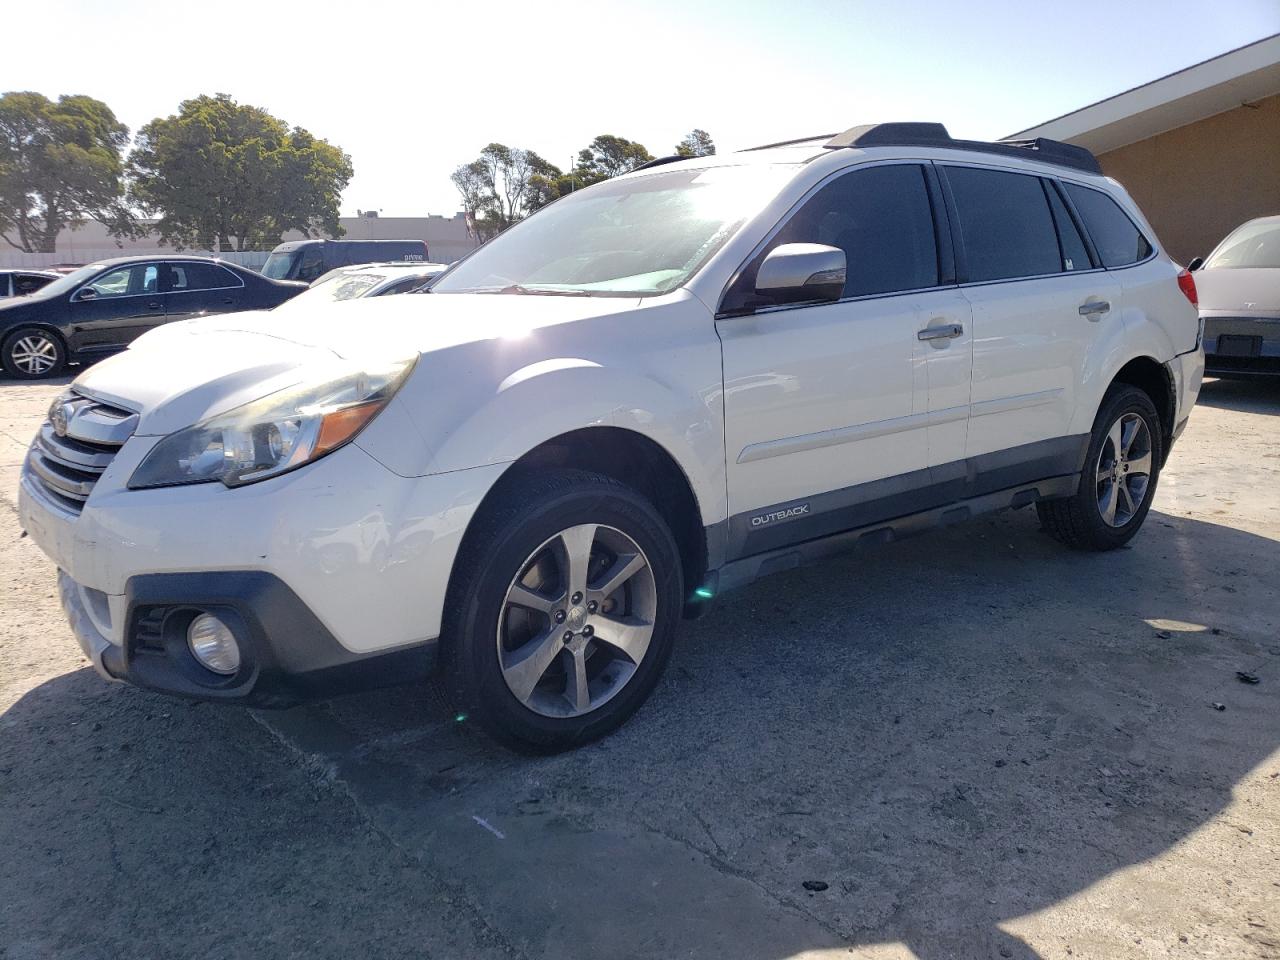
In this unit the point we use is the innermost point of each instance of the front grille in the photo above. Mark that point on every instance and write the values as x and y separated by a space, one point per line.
75 446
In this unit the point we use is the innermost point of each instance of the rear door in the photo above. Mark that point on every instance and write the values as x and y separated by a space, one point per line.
116 307
194 289
1040 302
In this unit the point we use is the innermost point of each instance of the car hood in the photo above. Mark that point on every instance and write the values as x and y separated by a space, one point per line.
185 372
1241 291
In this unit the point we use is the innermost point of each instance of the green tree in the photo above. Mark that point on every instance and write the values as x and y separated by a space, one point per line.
503 186
609 156
60 164
228 176
697 144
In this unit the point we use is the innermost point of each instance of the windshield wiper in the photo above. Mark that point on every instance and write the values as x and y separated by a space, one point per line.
521 290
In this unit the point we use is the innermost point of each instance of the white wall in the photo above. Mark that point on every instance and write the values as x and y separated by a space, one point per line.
446 239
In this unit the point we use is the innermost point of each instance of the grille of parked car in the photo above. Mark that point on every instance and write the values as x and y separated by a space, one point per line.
75 446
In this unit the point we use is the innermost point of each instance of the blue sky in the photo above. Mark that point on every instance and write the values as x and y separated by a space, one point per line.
411 90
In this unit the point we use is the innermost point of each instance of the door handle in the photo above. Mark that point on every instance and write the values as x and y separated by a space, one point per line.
228 300
1094 309
153 305
946 331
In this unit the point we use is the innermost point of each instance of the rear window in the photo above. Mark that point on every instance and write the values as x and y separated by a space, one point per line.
200 276
1005 223
1255 244
1118 240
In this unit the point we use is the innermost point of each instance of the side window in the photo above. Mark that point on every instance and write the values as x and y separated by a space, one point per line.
1118 240
25 283
200 276
879 216
4 285
1005 222
115 283
312 263
150 278
1075 255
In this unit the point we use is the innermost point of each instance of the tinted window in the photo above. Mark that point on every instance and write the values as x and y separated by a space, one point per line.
880 217
1075 255
312 263
24 283
200 276
1115 237
4 284
1006 225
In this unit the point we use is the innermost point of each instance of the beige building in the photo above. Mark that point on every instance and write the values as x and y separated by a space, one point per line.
447 240
1199 150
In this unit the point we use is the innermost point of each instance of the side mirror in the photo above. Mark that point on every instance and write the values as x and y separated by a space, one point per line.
1195 264
87 293
802 272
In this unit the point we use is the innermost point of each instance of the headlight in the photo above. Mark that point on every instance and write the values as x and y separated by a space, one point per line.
273 435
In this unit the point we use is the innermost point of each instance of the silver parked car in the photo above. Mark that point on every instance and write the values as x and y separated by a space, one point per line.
1239 288
371 280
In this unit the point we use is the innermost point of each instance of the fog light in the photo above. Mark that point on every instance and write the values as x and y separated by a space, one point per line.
213 644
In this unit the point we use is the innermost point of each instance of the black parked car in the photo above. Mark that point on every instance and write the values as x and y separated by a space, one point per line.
100 308
21 283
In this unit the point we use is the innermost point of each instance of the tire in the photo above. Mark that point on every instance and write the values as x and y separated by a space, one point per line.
521 653
31 353
1114 496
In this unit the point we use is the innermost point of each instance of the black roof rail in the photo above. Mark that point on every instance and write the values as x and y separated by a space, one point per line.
659 161
936 135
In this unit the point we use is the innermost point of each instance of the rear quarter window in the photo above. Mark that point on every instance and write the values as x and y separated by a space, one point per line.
1117 239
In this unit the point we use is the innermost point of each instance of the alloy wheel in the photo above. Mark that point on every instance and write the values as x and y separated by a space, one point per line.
577 621
1123 472
34 354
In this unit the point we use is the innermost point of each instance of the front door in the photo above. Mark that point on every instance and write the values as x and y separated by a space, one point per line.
116 307
826 405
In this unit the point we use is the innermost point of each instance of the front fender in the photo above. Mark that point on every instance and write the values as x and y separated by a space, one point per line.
655 371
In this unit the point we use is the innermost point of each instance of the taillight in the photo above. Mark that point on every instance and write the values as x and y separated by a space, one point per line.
1187 284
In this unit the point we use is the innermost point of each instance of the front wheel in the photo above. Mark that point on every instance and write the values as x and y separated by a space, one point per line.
1119 478
562 611
33 354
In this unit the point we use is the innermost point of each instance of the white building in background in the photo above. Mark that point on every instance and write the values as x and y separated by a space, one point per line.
447 240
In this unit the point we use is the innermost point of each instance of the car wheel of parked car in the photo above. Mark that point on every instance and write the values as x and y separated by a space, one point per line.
562 610
32 354
1119 476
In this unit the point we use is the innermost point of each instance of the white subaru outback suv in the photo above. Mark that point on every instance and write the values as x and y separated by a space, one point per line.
654 390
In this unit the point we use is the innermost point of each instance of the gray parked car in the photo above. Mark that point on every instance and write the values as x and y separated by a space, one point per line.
1239 291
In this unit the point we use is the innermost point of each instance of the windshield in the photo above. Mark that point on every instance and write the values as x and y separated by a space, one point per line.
278 264
1252 245
338 286
69 281
634 237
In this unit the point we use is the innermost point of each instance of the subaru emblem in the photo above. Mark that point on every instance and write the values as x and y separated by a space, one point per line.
58 417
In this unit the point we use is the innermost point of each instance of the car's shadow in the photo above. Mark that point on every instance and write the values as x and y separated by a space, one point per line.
1253 395
951 733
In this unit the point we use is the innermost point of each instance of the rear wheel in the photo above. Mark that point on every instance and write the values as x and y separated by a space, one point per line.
33 354
562 612
1119 477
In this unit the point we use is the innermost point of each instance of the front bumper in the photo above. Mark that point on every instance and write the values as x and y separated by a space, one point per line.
287 655
336 573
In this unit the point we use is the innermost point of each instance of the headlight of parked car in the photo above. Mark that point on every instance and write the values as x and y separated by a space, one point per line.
271 436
